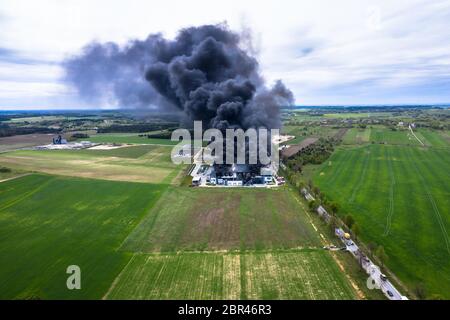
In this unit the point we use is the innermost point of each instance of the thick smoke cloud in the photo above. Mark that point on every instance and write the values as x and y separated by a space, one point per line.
203 72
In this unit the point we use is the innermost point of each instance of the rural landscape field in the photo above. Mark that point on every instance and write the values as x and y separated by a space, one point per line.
136 219
398 192
163 235
128 216
225 159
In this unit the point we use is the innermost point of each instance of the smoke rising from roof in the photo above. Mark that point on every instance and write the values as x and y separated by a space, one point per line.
204 72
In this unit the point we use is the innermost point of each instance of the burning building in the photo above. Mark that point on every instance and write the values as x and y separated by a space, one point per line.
205 73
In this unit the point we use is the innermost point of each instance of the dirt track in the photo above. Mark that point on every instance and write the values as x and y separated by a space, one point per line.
296 148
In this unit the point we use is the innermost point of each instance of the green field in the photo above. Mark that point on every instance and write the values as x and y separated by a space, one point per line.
383 135
135 163
223 219
128 138
399 195
387 136
297 274
357 136
438 139
228 244
301 133
357 115
39 119
48 223
111 230
132 151
154 241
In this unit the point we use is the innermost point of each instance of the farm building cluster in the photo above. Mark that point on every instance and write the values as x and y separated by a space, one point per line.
236 175
59 143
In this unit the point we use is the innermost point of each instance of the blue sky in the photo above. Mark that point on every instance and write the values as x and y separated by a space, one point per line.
327 52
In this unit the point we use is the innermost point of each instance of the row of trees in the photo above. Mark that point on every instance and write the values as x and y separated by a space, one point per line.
8 131
5 170
316 153
142 127
347 223
79 135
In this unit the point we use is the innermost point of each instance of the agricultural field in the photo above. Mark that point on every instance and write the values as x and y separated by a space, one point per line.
38 119
24 141
385 135
132 163
357 136
302 132
223 219
357 115
112 230
276 275
438 139
48 223
399 196
128 138
127 151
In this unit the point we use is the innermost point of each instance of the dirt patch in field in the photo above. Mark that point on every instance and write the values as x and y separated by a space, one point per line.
214 221
107 147
210 217
355 287
296 148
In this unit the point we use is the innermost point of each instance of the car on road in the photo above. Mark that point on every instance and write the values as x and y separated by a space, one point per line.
390 294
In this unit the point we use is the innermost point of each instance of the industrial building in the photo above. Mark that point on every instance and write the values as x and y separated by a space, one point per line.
235 175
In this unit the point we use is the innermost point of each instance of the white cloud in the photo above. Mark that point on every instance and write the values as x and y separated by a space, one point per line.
339 52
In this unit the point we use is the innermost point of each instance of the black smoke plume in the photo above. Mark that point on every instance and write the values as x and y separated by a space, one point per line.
203 72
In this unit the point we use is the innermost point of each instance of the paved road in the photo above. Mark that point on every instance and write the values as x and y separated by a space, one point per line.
371 269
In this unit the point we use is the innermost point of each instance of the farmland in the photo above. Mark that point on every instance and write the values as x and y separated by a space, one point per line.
357 115
276 275
357 136
121 214
23 141
383 135
303 132
399 196
113 231
134 163
398 137
128 138
218 219
250 244
48 223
